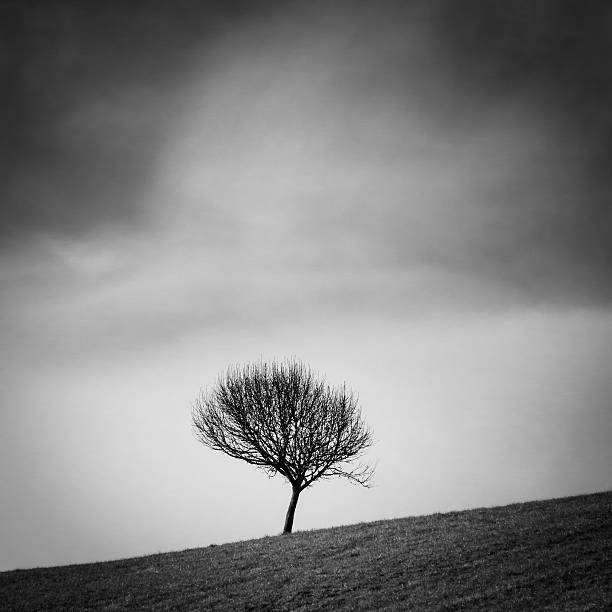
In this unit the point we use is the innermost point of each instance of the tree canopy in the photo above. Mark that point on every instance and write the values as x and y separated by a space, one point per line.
282 418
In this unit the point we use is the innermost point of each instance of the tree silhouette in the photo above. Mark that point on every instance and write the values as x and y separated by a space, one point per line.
283 419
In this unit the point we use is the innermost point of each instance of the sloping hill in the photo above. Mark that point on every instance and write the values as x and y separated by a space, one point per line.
554 555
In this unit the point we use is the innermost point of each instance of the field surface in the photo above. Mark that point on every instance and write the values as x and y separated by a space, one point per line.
546 555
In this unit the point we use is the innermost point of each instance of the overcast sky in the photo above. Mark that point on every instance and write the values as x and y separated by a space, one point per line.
412 197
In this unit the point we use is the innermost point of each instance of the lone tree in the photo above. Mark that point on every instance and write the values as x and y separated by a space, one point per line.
282 419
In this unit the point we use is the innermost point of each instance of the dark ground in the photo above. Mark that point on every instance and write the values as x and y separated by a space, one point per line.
546 555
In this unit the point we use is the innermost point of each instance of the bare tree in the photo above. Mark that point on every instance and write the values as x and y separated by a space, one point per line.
283 419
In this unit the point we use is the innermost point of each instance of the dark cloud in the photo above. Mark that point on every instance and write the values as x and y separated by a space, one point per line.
89 89
364 93
555 56
559 51
492 71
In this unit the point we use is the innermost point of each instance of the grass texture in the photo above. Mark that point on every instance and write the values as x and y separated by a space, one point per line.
545 555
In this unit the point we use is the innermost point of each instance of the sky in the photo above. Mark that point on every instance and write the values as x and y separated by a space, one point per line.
412 197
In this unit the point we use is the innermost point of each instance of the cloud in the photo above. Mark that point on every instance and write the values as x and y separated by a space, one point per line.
357 147
90 90
198 167
556 57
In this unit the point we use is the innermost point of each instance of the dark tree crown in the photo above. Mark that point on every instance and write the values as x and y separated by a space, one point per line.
281 418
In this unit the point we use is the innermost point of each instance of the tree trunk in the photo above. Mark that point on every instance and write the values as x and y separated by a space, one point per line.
291 510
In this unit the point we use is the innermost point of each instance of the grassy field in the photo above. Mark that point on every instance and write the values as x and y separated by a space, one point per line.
547 555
